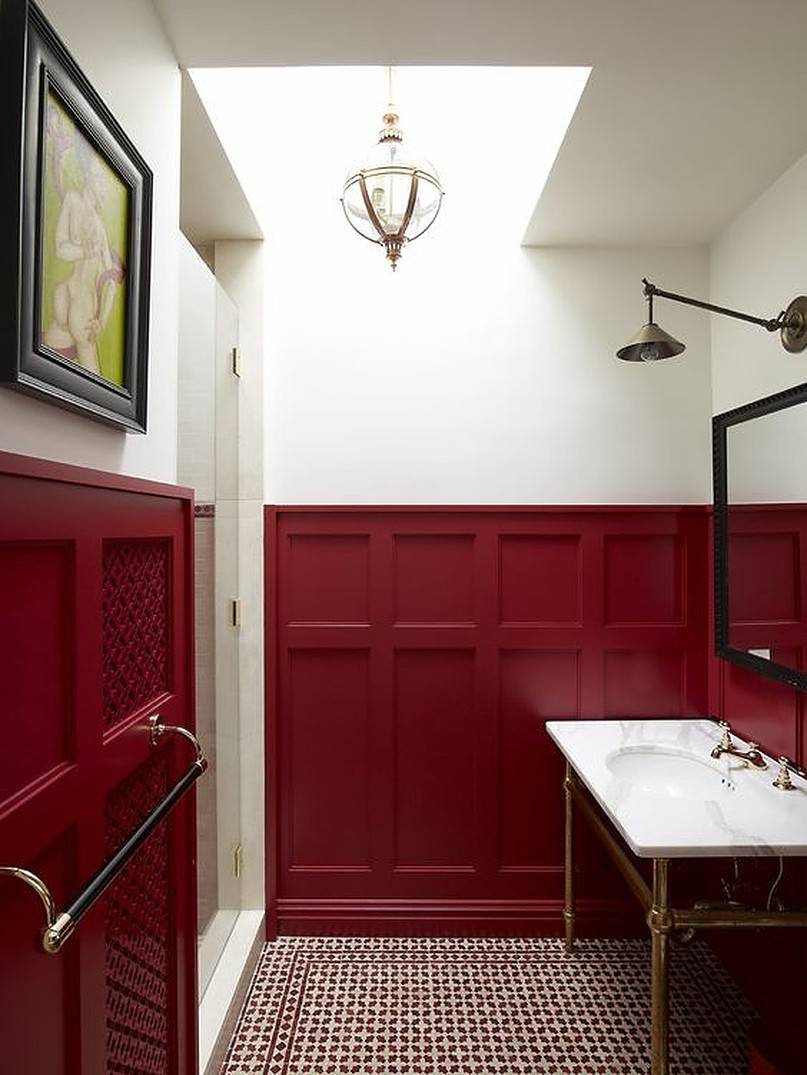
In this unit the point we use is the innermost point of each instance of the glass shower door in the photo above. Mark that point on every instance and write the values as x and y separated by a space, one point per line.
219 870
208 460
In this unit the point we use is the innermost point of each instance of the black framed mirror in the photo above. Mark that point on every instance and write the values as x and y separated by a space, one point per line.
760 535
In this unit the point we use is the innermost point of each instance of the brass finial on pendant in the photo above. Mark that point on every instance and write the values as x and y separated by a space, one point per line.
394 247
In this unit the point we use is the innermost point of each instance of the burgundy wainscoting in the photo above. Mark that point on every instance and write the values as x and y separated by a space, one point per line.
768 571
413 657
96 634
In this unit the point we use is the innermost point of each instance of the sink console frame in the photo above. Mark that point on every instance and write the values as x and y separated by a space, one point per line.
662 918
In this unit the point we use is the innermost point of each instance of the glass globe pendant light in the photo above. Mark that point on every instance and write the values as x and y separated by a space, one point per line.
394 196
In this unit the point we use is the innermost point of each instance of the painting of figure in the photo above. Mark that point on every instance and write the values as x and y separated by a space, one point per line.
75 298
84 235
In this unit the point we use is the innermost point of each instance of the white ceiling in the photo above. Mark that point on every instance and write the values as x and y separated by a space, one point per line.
694 106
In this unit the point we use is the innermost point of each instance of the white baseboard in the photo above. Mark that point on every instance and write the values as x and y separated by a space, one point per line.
212 944
224 996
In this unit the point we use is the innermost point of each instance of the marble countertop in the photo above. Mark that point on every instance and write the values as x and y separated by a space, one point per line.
657 783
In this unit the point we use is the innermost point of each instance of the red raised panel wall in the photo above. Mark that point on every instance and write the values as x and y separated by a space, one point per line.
414 656
768 571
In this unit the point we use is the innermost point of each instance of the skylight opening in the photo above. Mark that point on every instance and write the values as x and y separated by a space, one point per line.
292 134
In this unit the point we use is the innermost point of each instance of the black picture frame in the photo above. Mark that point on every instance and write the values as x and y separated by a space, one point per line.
721 423
35 66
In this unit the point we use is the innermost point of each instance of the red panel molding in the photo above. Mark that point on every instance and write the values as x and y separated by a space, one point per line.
469 918
769 589
37 579
540 580
26 466
447 560
645 579
768 569
413 657
328 725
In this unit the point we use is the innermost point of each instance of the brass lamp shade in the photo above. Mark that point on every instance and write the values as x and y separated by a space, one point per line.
650 344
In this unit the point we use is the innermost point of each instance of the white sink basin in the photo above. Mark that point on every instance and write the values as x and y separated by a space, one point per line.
669 773
659 785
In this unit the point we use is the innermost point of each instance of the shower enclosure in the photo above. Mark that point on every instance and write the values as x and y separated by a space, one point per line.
208 443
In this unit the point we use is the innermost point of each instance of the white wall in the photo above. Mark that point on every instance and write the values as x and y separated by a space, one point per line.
766 458
196 410
481 372
758 265
122 48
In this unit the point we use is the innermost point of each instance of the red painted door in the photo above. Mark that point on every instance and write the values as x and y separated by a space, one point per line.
94 638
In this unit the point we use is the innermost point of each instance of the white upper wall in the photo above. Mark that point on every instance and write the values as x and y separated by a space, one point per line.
196 411
766 458
758 265
481 372
121 47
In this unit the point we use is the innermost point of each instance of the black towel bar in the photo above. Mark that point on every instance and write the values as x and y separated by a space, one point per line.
60 924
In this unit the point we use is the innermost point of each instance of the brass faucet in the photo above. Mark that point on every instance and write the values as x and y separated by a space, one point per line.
786 767
783 781
750 757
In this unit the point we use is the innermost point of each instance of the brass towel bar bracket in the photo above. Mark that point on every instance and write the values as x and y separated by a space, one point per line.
59 925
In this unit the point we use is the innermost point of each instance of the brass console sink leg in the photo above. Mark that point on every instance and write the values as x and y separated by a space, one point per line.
568 893
659 919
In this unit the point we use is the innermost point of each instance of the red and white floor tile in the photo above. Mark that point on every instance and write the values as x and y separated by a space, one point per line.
456 1006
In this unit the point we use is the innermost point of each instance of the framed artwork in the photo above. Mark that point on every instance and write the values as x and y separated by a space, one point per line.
75 261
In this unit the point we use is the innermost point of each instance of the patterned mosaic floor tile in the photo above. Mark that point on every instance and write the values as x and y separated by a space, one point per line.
456 1006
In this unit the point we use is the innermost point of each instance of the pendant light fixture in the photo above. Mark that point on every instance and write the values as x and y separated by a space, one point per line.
394 196
651 343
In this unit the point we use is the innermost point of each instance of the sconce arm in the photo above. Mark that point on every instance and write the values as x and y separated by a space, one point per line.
772 324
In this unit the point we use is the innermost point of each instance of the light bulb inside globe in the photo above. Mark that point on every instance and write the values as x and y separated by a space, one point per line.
650 353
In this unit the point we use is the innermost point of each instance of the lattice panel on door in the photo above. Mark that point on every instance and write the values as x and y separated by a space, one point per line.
137 931
135 625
